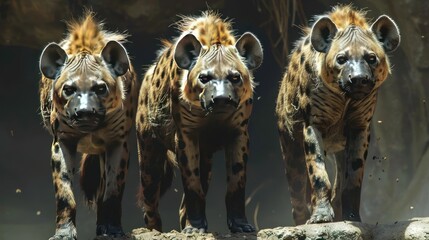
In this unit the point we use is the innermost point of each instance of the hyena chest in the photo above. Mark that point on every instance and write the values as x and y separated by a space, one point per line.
328 115
213 128
112 130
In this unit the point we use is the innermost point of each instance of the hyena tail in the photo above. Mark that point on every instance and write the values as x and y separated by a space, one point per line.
167 178
91 178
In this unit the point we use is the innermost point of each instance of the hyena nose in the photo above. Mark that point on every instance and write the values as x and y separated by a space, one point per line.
359 81
85 113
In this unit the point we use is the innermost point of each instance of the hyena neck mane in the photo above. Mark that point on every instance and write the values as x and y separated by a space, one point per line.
87 35
344 16
209 28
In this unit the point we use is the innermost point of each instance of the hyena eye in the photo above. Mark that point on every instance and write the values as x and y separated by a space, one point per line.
204 78
371 59
69 90
341 59
234 78
100 89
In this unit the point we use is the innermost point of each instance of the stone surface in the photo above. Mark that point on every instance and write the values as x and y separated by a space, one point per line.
413 229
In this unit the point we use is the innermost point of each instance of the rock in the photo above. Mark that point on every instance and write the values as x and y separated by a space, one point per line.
413 229
144 233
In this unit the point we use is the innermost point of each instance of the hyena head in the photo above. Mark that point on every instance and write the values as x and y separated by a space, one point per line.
86 86
218 75
355 60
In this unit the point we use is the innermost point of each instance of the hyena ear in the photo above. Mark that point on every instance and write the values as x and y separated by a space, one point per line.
322 33
52 60
250 49
187 51
116 57
387 32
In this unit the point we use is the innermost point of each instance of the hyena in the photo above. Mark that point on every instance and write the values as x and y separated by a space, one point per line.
88 93
195 100
325 105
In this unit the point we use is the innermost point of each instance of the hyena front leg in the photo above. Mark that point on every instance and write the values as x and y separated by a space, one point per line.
109 210
337 190
205 177
356 153
188 156
236 153
63 155
321 187
296 174
152 157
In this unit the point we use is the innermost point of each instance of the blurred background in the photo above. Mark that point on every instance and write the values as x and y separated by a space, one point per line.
395 185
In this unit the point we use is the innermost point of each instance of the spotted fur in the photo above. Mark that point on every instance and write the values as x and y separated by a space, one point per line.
88 93
197 99
325 105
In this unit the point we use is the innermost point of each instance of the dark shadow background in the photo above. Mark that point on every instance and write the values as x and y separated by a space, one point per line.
27 204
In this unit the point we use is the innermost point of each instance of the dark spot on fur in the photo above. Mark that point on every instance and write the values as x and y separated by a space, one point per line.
197 172
310 170
308 68
183 160
188 172
245 157
62 203
65 177
56 148
318 183
294 67
56 166
302 59
236 168
319 159
309 148
181 144
357 163
244 122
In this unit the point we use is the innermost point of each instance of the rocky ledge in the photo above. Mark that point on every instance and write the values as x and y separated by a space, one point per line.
413 229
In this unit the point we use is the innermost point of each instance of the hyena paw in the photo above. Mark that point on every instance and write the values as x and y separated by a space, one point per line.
238 225
65 232
322 213
196 226
109 230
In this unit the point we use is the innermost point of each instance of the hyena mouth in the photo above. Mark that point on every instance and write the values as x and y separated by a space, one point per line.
86 123
218 94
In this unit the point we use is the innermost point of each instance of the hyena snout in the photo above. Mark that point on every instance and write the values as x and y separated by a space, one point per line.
86 112
218 93
357 81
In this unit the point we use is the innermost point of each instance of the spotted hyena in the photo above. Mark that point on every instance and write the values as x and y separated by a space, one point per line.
195 100
325 105
88 93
